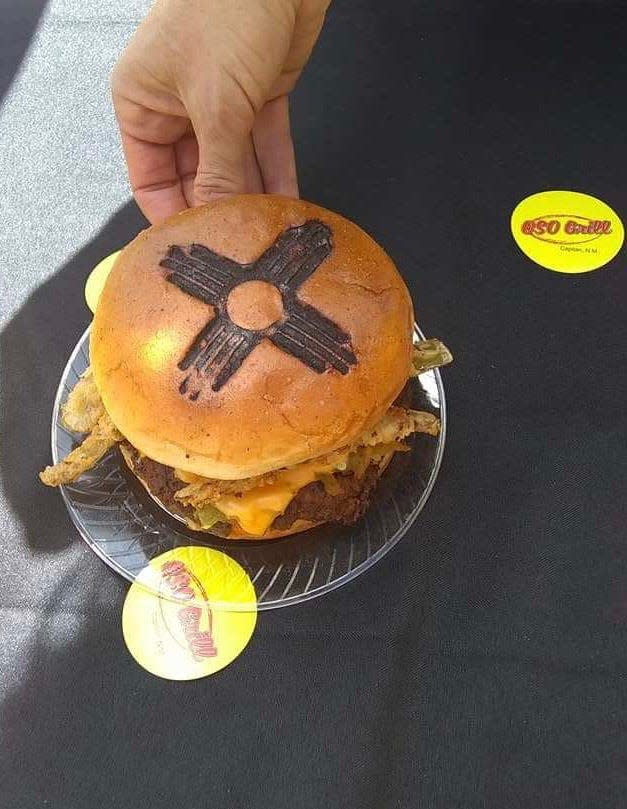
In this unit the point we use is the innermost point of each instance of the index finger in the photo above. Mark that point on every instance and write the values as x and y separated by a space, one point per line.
152 170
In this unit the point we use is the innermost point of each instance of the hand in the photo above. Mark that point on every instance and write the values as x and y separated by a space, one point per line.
201 97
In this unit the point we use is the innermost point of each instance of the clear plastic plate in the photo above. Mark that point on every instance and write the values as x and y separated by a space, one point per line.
122 524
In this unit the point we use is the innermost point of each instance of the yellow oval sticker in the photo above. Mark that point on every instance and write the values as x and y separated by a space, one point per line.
97 279
189 613
567 231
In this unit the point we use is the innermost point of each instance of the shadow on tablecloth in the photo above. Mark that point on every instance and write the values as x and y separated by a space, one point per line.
34 347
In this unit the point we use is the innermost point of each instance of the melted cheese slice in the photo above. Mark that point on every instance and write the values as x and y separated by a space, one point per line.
256 509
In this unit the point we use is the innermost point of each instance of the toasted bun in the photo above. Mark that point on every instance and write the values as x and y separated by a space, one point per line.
274 410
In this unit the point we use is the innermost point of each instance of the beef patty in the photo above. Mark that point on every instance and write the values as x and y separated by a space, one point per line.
160 480
312 503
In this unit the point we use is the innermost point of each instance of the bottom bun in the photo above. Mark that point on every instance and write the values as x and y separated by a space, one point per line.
236 532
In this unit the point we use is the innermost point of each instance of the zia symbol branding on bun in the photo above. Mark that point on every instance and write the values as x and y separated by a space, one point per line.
294 326
566 228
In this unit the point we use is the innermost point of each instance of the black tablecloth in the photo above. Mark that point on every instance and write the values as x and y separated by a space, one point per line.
482 663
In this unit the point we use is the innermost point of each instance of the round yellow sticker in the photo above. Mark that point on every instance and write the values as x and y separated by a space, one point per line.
567 231
190 612
97 278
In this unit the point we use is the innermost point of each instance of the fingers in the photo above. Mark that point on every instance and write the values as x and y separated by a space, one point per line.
254 183
168 177
148 140
154 177
186 151
190 96
274 148
219 156
223 134
187 166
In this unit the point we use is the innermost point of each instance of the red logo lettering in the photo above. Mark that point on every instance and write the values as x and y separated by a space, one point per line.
546 228
178 580
201 643
176 577
169 568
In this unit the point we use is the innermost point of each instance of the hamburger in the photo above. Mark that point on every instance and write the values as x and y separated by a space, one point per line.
247 359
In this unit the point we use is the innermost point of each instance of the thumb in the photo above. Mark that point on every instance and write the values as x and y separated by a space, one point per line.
223 134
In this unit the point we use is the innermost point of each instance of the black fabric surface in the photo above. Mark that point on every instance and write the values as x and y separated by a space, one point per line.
483 662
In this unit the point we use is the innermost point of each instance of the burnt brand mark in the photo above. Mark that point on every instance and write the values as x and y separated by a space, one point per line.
221 347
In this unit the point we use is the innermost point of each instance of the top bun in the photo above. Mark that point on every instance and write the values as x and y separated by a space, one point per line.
231 371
